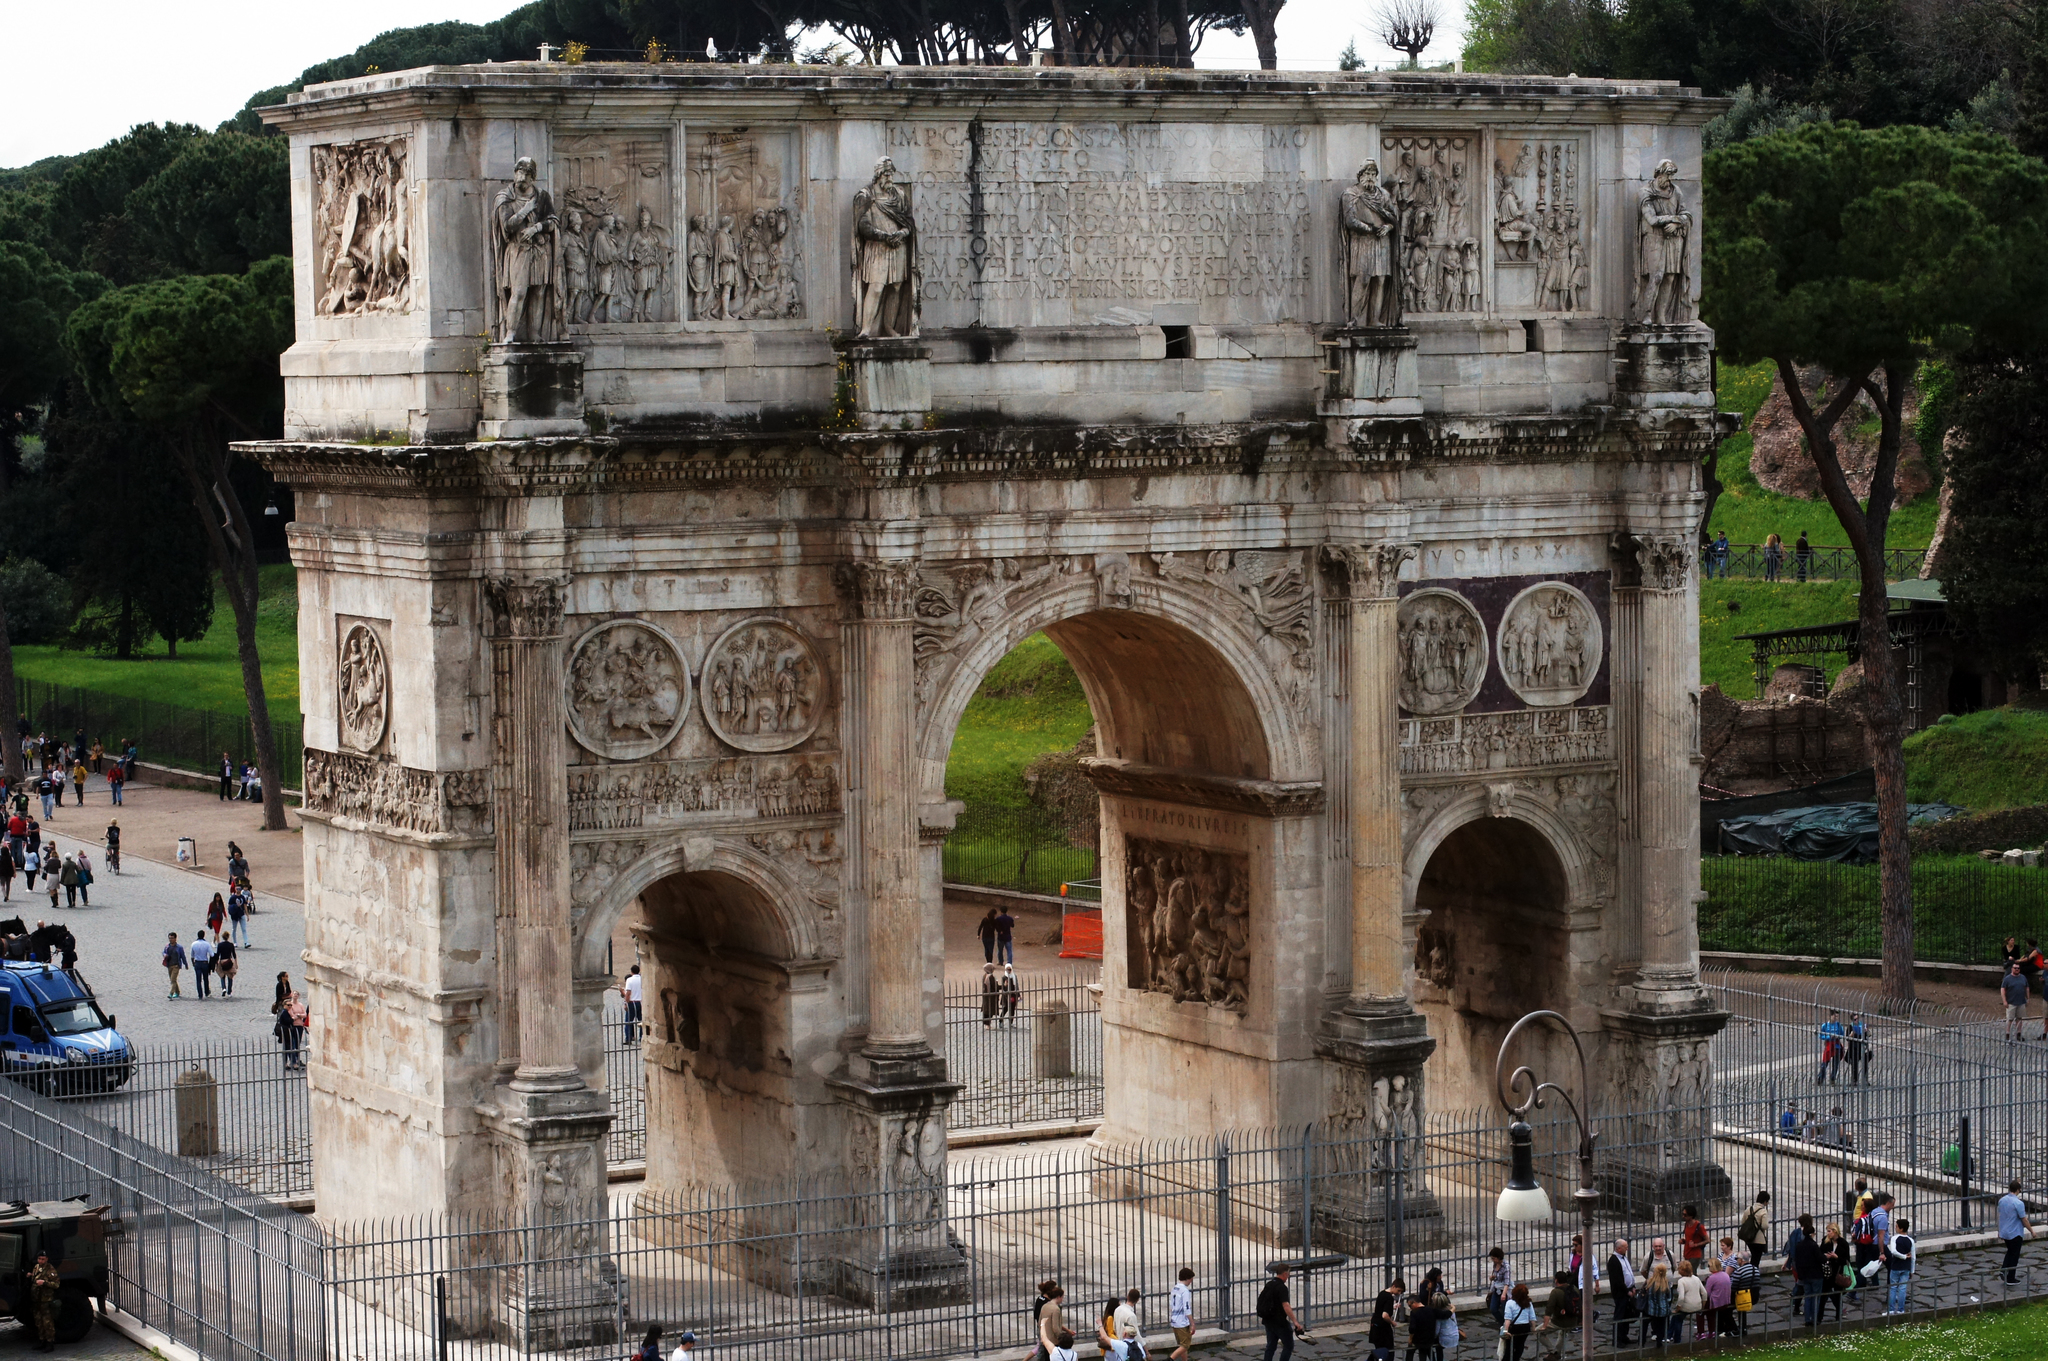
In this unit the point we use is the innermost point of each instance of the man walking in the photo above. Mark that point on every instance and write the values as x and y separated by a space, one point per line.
630 991
238 914
1898 1259
1129 1329
1381 1331
987 931
2013 1228
1621 1288
1276 1311
202 966
174 964
1180 1313
1856 1048
1830 1050
2013 988
1006 938
1755 1229
1809 1268
1557 1332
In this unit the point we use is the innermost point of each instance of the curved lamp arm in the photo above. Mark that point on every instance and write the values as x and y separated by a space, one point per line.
1522 1083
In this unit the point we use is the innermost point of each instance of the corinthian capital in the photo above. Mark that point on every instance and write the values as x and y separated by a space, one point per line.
1366 571
526 607
1664 563
878 590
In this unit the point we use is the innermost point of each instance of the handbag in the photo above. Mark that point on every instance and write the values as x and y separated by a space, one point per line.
1743 1300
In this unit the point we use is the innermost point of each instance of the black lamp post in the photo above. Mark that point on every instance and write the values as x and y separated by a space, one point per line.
1523 1200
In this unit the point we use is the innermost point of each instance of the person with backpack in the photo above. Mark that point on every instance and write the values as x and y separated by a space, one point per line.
1276 1311
1898 1260
1561 1318
174 965
1867 1232
238 914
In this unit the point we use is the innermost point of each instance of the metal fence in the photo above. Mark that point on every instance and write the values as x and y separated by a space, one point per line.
1824 563
1963 907
1028 1057
168 734
228 1273
1027 849
827 1267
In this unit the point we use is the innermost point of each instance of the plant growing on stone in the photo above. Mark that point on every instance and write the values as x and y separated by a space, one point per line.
1857 253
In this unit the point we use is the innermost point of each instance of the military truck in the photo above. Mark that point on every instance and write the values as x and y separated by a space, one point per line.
75 1235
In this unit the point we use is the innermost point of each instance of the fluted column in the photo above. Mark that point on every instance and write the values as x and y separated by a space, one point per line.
1667 767
1369 573
532 828
882 790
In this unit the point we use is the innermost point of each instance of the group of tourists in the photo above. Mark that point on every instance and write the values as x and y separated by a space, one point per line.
27 855
1774 557
1120 1328
240 780
48 764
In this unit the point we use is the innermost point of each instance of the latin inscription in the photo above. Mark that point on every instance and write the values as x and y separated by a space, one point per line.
1101 215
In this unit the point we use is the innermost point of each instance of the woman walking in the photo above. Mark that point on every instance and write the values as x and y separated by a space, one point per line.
226 963
1517 1318
216 913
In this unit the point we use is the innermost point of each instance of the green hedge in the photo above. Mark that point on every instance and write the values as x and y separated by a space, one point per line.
1963 907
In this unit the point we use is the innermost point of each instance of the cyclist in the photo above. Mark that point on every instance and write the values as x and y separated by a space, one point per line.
114 846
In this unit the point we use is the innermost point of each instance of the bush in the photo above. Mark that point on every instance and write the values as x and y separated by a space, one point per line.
2001 829
38 603
1963 907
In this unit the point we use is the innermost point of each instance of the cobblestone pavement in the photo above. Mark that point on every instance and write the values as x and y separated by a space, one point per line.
18 1340
121 937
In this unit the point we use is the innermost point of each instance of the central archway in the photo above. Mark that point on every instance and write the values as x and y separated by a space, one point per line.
1202 712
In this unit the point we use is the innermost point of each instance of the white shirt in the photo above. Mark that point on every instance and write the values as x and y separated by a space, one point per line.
633 987
1062 1353
1126 1320
681 1354
200 953
1180 1306
1628 1271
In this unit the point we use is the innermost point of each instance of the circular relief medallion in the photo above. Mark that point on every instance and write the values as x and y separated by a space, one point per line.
1550 644
365 679
629 691
762 687
1443 651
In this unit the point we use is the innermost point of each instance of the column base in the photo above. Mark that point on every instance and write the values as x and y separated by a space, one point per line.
897 1249
551 1161
892 382
1377 1047
1657 1067
1664 366
530 392
1369 373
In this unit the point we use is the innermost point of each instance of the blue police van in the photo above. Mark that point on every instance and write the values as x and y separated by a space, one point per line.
55 1038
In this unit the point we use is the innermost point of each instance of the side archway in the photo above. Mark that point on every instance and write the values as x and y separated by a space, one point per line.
1494 879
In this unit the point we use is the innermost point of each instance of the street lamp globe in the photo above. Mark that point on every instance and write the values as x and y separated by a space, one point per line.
1522 1200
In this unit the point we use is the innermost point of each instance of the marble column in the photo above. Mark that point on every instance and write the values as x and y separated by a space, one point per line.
899 1254
1658 1037
549 1127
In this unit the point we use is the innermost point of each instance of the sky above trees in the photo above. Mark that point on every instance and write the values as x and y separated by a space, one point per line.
197 61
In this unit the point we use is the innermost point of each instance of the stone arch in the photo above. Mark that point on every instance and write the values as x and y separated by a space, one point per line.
1259 727
789 912
1496 881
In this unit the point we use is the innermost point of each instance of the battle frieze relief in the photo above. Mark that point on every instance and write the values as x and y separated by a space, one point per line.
1188 921
362 228
385 793
1467 744
679 793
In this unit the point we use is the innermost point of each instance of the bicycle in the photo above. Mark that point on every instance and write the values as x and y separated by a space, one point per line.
114 856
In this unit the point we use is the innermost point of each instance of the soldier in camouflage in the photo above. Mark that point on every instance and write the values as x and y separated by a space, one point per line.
42 1292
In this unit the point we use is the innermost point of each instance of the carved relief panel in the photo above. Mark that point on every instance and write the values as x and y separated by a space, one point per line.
1551 644
362 687
1443 652
763 686
1542 211
362 227
629 690
615 192
744 247
1188 921
1433 181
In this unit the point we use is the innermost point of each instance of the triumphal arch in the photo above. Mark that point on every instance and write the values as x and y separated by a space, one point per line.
676 447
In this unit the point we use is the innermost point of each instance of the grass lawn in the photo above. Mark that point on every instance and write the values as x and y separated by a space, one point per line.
2000 1335
1030 702
1775 905
1765 606
207 674
1994 758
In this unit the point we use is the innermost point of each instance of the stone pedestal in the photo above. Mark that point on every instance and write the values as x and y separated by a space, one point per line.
901 1251
1664 366
892 382
529 391
1369 373
1664 1160
563 1291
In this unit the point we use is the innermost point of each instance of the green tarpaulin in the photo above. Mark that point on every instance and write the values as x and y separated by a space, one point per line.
1845 832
